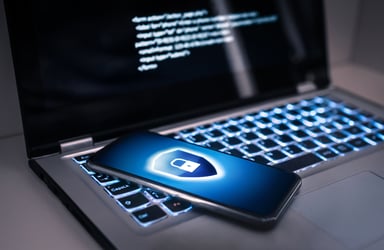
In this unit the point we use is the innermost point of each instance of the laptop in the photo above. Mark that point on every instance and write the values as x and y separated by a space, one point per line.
248 78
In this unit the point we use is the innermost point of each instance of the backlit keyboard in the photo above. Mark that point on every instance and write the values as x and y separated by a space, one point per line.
145 205
295 137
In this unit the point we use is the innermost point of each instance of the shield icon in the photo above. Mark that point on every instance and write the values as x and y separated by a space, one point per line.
182 164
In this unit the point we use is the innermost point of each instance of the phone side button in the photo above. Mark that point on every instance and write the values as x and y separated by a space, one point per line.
149 215
177 206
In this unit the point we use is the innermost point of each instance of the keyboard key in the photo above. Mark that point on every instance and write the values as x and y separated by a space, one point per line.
279 109
307 111
267 143
149 215
176 205
351 119
122 187
264 113
232 141
280 128
251 148
368 126
278 118
379 123
87 169
232 129
308 144
328 128
338 135
214 133
275 155
292 150
260 159
340 123
249 136
299 162
103 178
315 131
374 138
215 145
234 152
248 125
295 125
358 143
156 194
310 121
197 138
265 132
263 122
283 139
354 130
299 134
320 99
324 116
324 140
342 148
292 114
133 201
327 153
81 158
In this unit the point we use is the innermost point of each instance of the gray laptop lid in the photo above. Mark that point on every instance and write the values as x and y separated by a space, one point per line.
100 68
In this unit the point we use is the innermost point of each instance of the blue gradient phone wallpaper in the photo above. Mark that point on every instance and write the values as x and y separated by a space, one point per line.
218 177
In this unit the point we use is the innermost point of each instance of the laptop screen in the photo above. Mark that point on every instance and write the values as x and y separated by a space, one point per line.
87 67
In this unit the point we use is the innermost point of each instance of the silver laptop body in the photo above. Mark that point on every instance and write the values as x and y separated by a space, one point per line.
176 68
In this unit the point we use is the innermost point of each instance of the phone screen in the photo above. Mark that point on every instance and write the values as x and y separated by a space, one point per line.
228 182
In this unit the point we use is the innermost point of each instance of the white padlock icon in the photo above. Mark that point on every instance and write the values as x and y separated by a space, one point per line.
186 165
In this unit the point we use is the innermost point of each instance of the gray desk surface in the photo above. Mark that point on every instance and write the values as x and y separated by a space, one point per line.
31 217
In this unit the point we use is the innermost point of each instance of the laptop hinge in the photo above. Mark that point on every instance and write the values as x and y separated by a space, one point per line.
305 87
67 146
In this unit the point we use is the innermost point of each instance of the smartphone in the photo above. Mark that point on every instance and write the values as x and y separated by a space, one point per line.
234 187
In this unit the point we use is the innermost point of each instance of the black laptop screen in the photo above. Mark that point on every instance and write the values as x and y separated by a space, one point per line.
85 67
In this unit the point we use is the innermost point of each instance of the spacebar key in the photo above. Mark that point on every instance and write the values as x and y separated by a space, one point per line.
299 162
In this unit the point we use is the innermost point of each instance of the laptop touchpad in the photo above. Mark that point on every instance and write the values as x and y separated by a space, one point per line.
350 210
